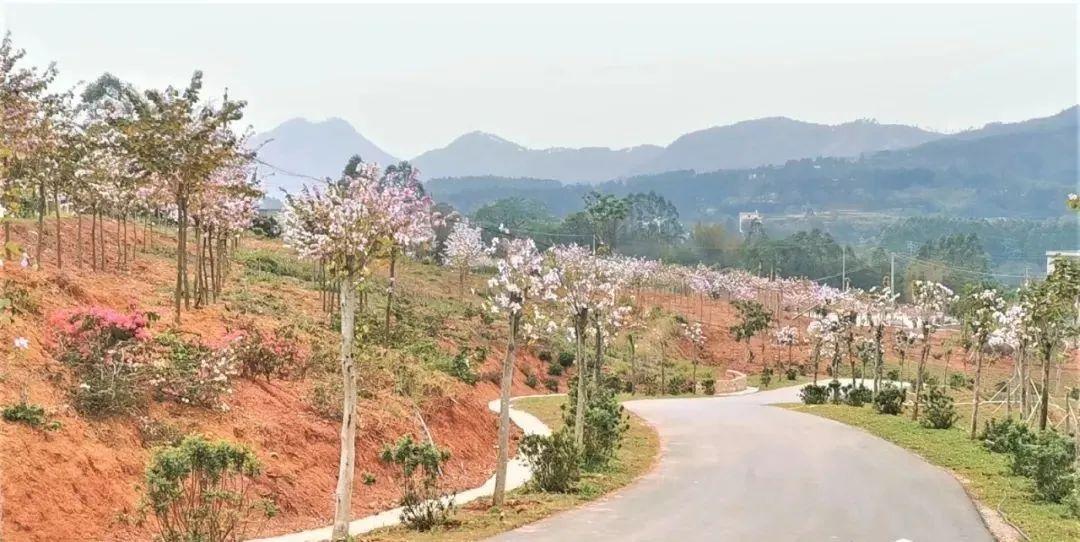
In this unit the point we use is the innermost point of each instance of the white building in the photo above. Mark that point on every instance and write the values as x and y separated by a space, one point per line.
746 220
1051 255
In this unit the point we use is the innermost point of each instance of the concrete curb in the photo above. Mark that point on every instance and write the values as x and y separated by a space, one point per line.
518 473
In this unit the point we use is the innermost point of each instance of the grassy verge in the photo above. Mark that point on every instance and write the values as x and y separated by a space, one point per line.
526 505
987 473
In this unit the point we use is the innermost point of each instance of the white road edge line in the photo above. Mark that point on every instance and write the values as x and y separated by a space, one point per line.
518 473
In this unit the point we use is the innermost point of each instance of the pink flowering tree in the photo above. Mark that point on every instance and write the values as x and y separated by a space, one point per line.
346 225
786 337
521 279
694 334
465 249
411 224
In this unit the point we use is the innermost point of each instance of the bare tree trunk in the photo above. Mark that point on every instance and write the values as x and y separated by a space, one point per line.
1025 408
347 462
1044 403
978 390
919 376
582 372
93 238
390 289
815 357
78 240
56 210
101 240
597 376
41 223
499 496
181 256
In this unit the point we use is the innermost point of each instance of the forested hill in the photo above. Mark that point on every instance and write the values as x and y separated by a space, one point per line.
1004 170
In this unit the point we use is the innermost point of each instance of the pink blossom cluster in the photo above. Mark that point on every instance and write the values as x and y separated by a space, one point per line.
99 325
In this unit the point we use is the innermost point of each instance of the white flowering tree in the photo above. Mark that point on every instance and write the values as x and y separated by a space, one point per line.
932 300
464 250
694 334
520 281
346 226
875 308
786 337
1050 316
824 328
987 308
410 227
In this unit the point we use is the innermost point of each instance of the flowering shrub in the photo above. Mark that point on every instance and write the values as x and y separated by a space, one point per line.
192 373
105 348
258 355
86 333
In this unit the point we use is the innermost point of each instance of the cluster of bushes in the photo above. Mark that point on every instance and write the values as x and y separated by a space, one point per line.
556 365
29 414
202 490
1047 457
557 461
938 410
424 504
889 398
117 365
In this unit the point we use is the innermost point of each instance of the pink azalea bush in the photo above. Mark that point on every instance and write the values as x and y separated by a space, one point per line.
89 332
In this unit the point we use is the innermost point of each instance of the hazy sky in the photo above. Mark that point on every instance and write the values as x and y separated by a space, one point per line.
412 77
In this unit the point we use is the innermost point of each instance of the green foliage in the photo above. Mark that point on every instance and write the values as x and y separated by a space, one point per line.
29 414
555 369
200 491
753 319
1048 460
605 424
191 373
890 399
531 380
893 375
766 377
1006 436
791 373
266 226
551 384
424 505
259 355
367 479
938 410
709 385
958 381
555 460
275 263
566 359
814 395
857 396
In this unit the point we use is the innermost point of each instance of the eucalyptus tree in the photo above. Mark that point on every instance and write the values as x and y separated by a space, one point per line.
346 225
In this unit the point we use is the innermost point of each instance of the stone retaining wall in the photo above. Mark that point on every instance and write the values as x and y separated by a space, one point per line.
735 382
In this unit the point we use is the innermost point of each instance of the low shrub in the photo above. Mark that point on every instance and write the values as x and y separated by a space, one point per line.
545 356
678 384
958 381
893 375
791 373
192 373
26 413
709 385
424 504
566 359
766 377
605 424
857 396
551 384
1006 436
1047 459
890 399
201 490
814 395
938 409
114 385
555 369
460 366
85 334
531 380
836 392
153 433
325 397
555 460
266 226
259 355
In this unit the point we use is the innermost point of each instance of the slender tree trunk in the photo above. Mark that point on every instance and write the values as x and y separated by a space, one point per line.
119 245
101 240
181 253
816 357
504 413
93 238
56 211
1044 402
919 376
390 288
78 240
347 462
41 223
978 390
633 364
1025 408
902 379
582 372
598 361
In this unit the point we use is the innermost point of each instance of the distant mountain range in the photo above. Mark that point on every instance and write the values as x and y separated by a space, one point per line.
1022 169
299 148
1038 150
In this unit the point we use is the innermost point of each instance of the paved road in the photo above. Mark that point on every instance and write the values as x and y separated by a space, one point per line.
735 469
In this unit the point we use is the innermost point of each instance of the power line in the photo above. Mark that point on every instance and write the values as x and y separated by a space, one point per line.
960 269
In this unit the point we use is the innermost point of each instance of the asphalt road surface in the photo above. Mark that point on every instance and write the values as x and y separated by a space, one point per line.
736 469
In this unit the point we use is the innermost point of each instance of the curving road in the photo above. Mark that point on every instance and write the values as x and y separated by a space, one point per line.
736 469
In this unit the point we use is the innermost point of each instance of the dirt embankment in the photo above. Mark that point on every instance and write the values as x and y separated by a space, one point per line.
83 481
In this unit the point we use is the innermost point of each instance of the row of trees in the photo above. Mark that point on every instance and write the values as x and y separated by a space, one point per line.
111 151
